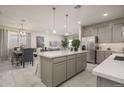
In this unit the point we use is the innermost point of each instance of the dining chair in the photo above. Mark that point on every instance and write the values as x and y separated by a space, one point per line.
15 58
27 56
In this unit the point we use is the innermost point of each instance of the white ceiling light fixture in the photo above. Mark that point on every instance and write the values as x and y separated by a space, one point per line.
105 14
54 29
66 26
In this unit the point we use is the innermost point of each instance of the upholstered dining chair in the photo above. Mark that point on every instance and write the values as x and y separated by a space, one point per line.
27 56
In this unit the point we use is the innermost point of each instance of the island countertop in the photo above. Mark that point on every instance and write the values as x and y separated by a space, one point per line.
54 54
111 69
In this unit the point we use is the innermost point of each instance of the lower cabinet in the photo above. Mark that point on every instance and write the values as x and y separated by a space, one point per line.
108 53
55 71
71 68
84 60
102 55
59 73
79 64
102 82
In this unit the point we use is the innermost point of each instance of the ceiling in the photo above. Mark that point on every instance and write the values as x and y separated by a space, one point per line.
39 18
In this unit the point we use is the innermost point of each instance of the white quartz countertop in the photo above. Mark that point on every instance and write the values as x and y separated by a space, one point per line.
111 69
54 54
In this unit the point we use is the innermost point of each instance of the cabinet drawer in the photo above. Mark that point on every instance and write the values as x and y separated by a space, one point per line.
59 59
71 57
79 55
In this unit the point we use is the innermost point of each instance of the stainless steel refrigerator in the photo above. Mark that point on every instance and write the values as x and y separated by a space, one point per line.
90 45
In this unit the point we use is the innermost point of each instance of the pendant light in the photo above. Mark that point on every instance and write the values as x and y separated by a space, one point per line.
54 30
21 32
66 33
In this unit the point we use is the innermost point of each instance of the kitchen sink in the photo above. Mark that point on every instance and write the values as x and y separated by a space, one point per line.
120 58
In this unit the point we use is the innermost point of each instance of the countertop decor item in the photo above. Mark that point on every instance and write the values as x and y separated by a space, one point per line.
76 44
108 48
64 43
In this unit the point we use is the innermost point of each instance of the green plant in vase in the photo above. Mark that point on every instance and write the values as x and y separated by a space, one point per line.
75 44
64 43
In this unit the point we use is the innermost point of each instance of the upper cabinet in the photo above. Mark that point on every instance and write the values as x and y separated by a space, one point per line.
86 32
117 33
93 31
90 31
123 33
101 34
104 33
108 32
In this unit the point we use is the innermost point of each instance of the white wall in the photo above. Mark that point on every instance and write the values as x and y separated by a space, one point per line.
47 38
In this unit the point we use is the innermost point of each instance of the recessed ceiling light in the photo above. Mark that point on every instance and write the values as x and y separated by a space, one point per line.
105 14
79 22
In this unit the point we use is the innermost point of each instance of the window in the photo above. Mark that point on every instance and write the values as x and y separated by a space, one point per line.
15 40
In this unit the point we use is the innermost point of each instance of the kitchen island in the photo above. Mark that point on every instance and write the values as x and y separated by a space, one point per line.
110 73
59 66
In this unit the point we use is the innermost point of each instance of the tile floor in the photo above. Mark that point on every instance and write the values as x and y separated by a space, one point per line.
13 76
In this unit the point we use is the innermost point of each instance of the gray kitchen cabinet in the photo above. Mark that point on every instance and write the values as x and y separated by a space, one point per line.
90 31
117 33
107 34
93 31
123 33
100 56
102 82
108 53
101 34
71 68
104 34
79 64
86 32
84 60
59 72
56 70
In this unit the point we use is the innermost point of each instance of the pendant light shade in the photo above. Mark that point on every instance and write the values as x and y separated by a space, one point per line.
21 32
54 29
66 33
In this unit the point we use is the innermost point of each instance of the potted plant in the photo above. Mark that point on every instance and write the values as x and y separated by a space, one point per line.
64 43
76 44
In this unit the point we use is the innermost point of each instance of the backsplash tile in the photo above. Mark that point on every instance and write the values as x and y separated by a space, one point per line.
113 46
